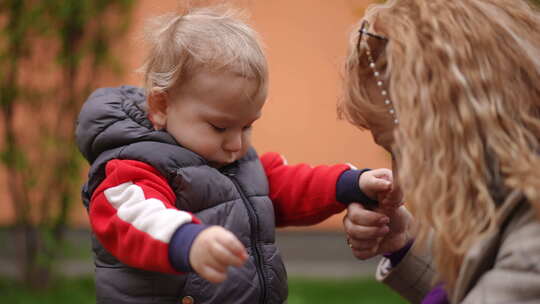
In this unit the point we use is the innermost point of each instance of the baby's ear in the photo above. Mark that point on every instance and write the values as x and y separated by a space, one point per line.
157 109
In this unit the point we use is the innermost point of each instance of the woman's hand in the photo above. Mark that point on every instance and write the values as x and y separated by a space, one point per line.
370 233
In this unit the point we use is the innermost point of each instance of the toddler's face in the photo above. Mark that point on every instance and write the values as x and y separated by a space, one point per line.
212 113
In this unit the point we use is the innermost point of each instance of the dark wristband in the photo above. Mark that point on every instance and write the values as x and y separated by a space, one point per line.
180 245
348 190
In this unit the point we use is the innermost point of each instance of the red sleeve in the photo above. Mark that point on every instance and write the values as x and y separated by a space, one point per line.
302 195
133 215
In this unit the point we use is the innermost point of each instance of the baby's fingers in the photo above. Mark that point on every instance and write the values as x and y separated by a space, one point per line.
212 274
379 185
375 181
225 256
383 173
234 247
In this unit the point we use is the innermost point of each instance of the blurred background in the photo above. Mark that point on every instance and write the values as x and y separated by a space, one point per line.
53 53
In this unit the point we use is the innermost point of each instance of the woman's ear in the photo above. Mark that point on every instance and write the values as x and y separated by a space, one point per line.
157 109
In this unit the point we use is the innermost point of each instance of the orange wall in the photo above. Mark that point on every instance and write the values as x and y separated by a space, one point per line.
306 43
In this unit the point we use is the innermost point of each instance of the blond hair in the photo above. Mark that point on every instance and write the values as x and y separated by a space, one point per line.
463 76
209 38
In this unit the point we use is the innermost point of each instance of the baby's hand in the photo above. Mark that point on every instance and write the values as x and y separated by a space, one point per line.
377 184
213 251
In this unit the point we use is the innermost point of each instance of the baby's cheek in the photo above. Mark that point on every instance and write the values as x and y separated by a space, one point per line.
243 152
246 141
245 146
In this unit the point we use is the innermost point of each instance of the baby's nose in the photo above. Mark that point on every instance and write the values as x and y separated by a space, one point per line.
233 143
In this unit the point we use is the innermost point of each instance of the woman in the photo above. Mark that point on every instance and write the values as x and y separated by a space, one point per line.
452 90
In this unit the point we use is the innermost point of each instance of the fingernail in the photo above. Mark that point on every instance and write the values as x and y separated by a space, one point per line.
384 221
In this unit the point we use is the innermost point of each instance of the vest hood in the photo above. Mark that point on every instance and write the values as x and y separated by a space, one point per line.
114 117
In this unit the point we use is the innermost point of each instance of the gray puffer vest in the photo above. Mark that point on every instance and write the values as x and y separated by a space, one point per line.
113 125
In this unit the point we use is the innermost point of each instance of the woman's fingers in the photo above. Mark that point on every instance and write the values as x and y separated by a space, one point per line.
365 229
364 254
358 215
395 195
367 232
363 244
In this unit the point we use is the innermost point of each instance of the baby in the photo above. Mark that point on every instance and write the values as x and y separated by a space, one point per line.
178 199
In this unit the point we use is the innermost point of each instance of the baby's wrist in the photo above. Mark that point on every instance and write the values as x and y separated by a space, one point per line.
348 189
180 245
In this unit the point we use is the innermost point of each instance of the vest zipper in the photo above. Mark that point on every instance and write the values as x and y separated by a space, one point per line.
254 224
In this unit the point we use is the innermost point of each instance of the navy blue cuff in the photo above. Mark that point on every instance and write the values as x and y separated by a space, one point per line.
348 190
396 256
180 245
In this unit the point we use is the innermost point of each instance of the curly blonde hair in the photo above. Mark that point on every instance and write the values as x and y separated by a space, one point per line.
464 78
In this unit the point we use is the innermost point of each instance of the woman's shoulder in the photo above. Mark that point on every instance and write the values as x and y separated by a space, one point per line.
520 239
505 268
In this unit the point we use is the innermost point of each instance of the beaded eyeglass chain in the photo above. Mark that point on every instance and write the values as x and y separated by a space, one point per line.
373 67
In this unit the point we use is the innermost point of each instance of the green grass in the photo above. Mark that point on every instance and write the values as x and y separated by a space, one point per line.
79 290
340 291
301 291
